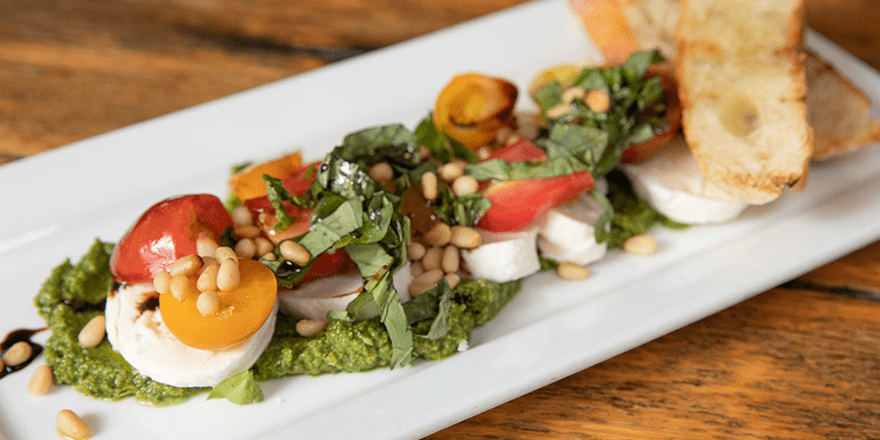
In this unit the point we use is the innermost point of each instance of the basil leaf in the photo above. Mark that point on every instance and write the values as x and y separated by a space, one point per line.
240 389
442 147
378 144
498 169
434 304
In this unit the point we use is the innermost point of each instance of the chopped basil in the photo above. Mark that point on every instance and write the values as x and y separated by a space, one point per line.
442 146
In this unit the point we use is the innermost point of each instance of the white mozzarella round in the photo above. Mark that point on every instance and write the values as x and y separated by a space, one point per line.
674 186
567 232
145 342
315 299
504 256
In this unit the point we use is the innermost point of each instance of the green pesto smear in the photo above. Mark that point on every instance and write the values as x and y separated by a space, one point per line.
74 293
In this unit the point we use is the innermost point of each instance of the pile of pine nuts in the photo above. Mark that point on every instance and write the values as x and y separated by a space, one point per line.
213 268
439 256
248 240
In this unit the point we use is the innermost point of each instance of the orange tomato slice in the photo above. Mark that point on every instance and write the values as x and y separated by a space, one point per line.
248 183
243 311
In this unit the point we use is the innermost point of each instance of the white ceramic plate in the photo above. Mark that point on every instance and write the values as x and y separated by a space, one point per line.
55 204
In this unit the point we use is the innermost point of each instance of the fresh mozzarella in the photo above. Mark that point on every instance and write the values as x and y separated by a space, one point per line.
315 299
504 256
674 186
144 341
567 232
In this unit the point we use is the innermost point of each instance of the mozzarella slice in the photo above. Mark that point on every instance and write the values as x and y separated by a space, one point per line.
315 299
504 256
567 232
145 342
674 186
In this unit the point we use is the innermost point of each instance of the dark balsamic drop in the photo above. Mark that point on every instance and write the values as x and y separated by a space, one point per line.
15 336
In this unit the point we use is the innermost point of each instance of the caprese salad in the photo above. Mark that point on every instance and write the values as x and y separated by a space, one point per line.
392 248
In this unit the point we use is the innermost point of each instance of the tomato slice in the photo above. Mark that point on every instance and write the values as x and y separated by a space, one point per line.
167 231
243 310
516 204
648 149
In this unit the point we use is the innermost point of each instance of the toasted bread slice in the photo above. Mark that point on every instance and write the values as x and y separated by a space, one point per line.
743 89
839 111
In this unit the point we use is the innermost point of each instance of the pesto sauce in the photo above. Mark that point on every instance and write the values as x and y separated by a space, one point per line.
344 346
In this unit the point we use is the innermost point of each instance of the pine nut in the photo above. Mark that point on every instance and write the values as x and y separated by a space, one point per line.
424 153
241 216
71 426
206 246
187 265
416 289
432 259
207 261
310 327
429 186
41 381
415 251
416 268
642 245
246 248
224 252
208 303
264 246
93 332
381 172
228 276
450 260
270 256
465 185
572 93
160 282
430 277
465 237
453 279
181 287
572 272
439 235
208 279
451 171
247 231
558 110
18 354
598 101
294 252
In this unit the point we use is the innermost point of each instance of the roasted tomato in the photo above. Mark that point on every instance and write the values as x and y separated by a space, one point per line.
472 108
517 204
165 232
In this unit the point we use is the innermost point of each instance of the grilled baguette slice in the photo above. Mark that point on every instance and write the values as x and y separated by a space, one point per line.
743 88
839 111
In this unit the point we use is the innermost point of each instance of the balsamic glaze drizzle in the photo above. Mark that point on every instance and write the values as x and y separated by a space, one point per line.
20 335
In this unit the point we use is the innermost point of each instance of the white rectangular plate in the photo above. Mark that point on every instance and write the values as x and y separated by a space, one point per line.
55 204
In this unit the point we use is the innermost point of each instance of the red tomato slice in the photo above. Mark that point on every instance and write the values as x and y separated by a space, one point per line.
516 204
646 150
165 232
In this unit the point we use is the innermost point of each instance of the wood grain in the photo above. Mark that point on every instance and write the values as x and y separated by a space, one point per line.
798 362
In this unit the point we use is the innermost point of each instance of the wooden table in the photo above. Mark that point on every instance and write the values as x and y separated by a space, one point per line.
799 361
